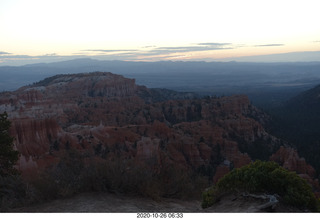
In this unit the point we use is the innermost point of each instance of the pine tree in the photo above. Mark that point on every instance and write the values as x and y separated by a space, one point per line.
8 156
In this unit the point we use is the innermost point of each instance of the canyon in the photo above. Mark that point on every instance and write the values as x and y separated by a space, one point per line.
105 116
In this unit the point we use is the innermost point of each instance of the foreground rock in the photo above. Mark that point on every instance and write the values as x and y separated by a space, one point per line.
248 204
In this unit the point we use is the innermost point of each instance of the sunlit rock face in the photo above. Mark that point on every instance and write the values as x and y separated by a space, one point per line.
103 115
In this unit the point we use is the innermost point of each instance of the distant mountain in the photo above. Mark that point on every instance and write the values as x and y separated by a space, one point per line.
308 100
298 122
266 84
304 110
307 56
167 74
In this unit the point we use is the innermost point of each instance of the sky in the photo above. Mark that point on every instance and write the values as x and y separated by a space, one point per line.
33 31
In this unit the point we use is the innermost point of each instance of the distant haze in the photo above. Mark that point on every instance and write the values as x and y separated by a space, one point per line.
272 58
268 83
282 57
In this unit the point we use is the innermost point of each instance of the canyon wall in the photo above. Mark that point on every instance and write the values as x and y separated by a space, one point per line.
103 116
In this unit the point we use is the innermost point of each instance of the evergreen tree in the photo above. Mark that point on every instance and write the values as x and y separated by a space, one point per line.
8 156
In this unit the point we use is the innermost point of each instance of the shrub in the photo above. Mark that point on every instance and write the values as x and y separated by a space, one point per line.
14 192
125 176
267 177
73 174
62 180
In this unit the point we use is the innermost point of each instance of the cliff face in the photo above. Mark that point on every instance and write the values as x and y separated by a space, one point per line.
104 115
90 84
290 159
298 122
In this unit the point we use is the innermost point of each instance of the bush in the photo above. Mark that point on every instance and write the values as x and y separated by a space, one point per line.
62 180
124 176
14 192
73 174
266 177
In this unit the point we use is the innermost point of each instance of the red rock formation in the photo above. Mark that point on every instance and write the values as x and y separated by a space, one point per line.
104 115
220 172
30 96
148 149
33 137
289 159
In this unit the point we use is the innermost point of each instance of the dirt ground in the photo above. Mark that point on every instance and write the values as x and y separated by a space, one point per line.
113 203
119 203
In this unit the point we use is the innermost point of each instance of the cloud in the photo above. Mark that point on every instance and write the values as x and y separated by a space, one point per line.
214 44
120 56
27 59
50 54
8 56
13 56
109 50
155 58
266 45
4 53
152 46
152 50
46 57
200 47
149 52
53 57
187 48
